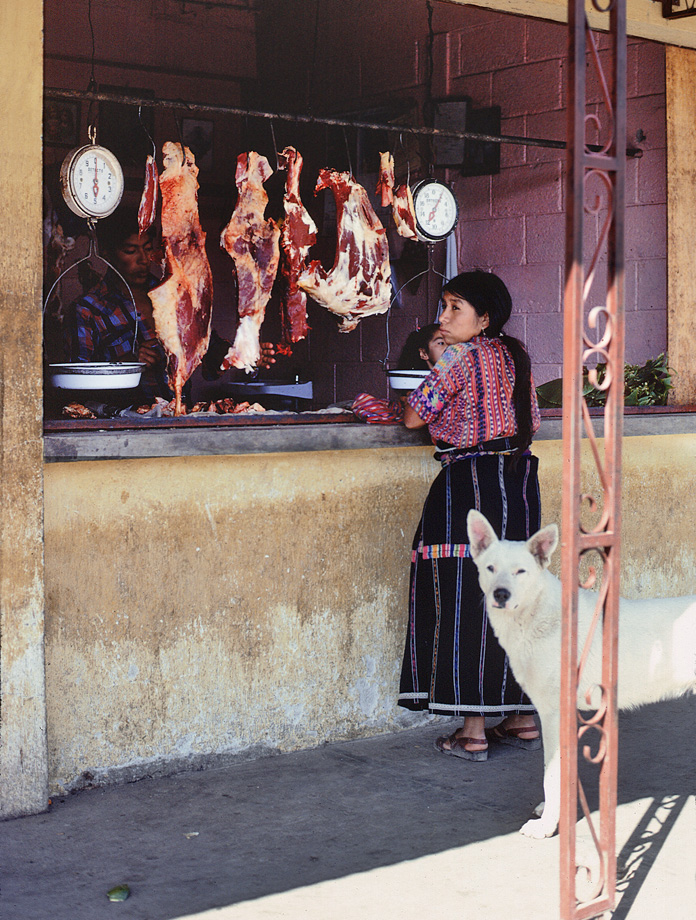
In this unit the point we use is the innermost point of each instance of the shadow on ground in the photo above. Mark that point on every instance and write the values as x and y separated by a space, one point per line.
201 840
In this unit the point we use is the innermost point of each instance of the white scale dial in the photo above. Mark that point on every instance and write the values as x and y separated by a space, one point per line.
436 210
92 181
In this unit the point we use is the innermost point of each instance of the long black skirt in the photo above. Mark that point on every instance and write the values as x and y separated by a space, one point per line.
453 663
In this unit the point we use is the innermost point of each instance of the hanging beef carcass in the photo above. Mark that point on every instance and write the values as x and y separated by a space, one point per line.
359 282
252 242
401 200
148 201
385 181
297 235
182 304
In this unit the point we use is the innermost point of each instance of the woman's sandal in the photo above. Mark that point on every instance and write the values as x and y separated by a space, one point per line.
457 747
512 736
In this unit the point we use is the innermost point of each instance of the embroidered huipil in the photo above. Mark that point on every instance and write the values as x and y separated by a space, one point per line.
467 398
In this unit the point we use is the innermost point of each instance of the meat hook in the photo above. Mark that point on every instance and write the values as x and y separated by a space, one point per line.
275 145
142 125
181 140
345 138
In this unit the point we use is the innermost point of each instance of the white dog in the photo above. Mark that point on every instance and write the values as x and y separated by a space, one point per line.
657 641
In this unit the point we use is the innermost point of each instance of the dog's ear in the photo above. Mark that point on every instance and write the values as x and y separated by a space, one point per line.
543 543
481 534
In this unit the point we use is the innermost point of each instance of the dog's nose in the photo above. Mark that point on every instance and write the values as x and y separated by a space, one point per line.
501 596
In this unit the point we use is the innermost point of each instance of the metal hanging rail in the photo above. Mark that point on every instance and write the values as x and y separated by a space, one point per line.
97 96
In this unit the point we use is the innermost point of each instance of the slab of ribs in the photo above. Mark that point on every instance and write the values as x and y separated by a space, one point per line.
298 234
401 200
252 242
182 304
147 210
359 282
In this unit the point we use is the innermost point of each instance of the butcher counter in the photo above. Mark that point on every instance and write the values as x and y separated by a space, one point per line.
224 592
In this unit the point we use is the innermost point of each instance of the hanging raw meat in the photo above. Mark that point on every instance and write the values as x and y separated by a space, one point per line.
252 242
401 200
359 282
404 213
385 182
182 304
298 233
148 202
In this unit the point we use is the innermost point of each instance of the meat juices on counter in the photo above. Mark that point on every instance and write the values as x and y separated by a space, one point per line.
298 234
182 304
148 202
252 242
359 282
401 200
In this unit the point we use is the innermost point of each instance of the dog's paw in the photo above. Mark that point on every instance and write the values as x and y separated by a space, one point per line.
537 829
539 810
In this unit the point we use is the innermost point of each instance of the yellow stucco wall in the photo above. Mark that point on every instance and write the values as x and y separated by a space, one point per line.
22 721
235 604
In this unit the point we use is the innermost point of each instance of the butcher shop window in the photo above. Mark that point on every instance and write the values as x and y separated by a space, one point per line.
340 90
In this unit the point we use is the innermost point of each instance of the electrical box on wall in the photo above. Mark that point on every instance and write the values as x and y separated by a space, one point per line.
449 115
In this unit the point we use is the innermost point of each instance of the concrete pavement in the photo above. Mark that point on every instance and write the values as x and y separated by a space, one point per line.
377 828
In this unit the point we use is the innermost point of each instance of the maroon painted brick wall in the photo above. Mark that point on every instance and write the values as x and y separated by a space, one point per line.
514 223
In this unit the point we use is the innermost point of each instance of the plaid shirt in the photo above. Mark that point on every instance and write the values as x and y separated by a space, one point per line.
467 398
100 326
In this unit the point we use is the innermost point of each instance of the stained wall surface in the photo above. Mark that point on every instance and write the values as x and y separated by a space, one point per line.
23 770
244 605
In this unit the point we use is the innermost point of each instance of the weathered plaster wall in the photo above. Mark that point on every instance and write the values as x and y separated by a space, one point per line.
23 761
237 605
681 203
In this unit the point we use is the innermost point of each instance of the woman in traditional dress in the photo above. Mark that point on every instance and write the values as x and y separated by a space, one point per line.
480 406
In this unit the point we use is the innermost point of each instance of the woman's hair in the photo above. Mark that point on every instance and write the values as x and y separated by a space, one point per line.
487 293
410 359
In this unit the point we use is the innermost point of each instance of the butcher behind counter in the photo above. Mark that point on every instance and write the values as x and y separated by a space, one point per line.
102 324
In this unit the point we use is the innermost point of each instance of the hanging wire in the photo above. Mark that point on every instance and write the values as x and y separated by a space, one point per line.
385 361
94 253
180 132
312 67
430 114
275 145
92 85
345 138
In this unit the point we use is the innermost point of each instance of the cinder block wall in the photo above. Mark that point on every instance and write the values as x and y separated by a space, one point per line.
514 222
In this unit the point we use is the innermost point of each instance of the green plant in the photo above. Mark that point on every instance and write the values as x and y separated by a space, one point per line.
644 385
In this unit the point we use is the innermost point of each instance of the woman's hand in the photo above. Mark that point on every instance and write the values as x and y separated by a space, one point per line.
412 419
148 355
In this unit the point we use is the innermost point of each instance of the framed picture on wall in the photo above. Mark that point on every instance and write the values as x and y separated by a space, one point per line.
61 123
198 136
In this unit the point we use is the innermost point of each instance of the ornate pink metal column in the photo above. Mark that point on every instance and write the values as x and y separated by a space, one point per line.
593 332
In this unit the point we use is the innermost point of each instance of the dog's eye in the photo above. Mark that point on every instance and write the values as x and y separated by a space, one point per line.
520 572
490 568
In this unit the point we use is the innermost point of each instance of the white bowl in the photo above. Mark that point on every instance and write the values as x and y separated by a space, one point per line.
96 375
406 380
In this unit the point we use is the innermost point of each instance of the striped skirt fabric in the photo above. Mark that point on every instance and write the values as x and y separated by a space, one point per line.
453 664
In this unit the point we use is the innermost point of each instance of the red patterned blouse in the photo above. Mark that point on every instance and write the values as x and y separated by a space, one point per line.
467 399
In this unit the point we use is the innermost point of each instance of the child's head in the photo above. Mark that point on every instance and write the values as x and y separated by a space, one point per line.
422 349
